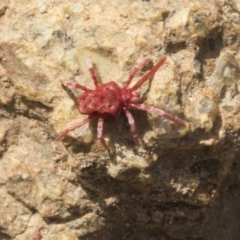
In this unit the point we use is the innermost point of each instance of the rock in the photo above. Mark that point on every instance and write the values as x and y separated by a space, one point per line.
173 184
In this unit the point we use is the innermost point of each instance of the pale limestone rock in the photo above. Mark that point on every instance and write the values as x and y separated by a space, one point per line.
76 189
14 215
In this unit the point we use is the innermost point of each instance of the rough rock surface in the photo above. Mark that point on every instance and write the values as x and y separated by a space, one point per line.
181 183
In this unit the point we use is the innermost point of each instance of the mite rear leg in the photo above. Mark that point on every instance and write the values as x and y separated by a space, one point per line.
132 125
92 72
71 128
100 132
73 85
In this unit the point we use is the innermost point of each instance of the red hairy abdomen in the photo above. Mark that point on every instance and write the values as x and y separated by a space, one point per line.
104 99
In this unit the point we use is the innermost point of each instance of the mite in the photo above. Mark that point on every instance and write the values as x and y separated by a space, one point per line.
111 99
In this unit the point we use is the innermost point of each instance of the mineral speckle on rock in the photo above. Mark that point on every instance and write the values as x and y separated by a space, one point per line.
172 185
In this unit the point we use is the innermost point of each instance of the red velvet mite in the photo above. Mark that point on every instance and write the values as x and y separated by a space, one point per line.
111 99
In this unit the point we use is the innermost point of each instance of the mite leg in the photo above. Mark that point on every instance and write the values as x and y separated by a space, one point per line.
158 112
92 72
132 125
71 128
74 85
149 74
135 70
100 132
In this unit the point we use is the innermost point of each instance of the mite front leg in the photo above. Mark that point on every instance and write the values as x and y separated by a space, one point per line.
100 132
159 112
71 128
135 70
149 74
132 125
